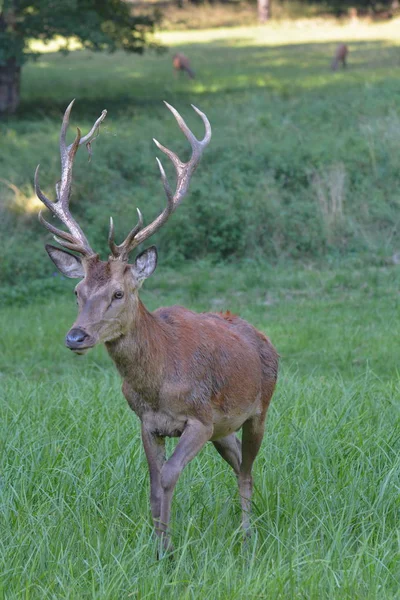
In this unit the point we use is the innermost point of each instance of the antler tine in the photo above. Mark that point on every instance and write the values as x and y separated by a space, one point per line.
184 172
165 182
118 251
75 240
68 240
53 207
86 138
195 143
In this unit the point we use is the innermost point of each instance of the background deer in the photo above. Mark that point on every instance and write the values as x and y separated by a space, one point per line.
340 57
180 62
199 377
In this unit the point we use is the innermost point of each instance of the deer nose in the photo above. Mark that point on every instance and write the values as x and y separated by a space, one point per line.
75 337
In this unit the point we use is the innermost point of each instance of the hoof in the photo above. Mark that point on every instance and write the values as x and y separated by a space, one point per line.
247 539
165 548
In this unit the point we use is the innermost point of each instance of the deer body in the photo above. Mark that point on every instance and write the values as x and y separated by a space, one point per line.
340 57
198 377
181 62
208 366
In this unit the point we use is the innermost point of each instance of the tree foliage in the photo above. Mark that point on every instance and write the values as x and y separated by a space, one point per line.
97 24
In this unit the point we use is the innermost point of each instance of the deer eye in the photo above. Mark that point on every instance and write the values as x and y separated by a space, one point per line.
118 294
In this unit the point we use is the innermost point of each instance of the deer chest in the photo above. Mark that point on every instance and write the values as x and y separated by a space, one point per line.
161 421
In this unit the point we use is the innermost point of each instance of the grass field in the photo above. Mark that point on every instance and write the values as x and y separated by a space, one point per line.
303 163
74 511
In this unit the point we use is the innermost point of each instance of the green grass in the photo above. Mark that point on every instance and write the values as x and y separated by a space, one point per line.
303 162
74 510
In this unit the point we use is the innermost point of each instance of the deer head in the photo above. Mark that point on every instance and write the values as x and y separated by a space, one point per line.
107 294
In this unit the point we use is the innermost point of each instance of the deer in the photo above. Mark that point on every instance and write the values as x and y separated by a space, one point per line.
340 56
180 62
199 377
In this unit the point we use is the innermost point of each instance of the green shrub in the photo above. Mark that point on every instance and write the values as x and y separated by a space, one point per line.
303 164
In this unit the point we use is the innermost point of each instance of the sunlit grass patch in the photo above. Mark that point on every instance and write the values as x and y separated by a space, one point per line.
289 32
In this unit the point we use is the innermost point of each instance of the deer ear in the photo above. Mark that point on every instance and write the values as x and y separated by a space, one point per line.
145 264
69 264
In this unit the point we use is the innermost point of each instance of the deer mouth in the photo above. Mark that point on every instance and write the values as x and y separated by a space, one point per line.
80 351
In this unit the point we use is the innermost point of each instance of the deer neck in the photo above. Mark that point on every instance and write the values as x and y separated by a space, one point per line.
139 354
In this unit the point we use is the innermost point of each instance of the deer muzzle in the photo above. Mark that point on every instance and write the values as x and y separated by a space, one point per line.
78 340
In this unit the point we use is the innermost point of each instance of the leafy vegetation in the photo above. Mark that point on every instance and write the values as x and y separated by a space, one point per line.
199 14
303 163
99 26
293 218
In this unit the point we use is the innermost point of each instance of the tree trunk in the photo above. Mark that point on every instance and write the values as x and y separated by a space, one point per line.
10 75
264 10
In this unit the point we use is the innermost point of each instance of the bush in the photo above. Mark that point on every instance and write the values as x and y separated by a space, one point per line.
299 167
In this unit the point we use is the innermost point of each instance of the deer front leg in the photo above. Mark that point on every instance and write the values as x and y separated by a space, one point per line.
154 447
194 437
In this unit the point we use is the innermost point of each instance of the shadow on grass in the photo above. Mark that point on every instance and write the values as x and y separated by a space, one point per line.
126 84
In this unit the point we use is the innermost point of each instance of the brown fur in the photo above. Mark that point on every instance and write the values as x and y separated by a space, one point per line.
227 315
197 376
340 56
180 62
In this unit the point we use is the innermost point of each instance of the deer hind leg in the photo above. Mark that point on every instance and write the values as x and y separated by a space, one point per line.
230 448
253 432
194 437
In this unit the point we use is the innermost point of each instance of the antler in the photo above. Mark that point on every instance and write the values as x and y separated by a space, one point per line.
75 240
184 172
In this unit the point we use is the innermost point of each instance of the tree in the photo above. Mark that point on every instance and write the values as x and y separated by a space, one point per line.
99 25
264 10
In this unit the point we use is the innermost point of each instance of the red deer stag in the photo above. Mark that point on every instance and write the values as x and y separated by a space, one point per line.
180 62
340 57
198 377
